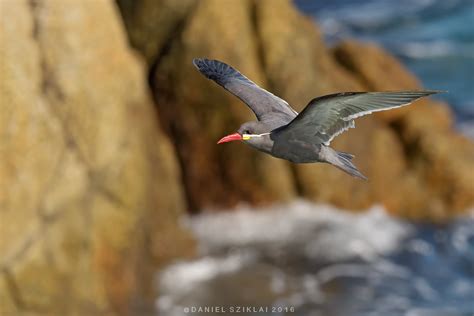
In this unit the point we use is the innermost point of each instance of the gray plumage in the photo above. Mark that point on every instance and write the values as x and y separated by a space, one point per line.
304 137
268 108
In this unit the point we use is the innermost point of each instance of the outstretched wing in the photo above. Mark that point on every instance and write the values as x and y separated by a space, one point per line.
326 117
266 106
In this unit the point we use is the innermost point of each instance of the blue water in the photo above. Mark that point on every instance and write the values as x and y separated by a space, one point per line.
315 260
434 38
433 275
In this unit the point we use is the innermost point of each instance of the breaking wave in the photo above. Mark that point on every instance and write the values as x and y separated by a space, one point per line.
323 261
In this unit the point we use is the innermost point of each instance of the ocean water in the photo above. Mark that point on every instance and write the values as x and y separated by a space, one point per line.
434 38
308 259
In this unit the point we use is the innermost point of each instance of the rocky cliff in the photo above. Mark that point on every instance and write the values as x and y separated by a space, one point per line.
418 167
96 168
90 188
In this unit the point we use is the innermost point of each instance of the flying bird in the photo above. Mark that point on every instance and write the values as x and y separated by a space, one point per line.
305 137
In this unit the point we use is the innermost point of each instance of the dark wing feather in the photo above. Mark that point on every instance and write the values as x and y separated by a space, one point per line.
267 107
326 117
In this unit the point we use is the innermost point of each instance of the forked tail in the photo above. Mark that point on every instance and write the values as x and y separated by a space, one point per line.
342 161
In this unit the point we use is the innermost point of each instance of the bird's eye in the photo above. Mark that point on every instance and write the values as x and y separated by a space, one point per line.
246 131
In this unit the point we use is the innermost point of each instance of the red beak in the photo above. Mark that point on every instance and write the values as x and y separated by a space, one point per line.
229 138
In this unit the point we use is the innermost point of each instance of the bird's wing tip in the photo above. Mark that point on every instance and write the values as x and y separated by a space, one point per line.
437 91
203 64
198 62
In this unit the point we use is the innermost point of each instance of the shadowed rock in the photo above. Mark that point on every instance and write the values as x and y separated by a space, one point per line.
152 24
196 113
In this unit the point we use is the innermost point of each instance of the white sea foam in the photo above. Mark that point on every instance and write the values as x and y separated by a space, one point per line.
228 241
434 48
321 231
369 15
290 255
467 128
185 275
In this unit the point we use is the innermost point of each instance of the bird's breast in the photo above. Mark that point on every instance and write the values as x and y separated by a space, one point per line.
296 151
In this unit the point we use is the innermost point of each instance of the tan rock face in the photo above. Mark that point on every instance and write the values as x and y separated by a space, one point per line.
90 191
153 23
196 112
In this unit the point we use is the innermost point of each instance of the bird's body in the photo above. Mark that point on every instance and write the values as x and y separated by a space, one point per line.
305 137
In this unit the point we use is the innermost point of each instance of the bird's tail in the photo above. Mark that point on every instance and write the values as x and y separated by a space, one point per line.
342 161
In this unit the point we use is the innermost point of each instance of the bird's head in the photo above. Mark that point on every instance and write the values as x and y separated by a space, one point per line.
250 132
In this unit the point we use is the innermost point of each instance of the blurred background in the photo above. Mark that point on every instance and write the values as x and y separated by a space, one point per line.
433 39
116 200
